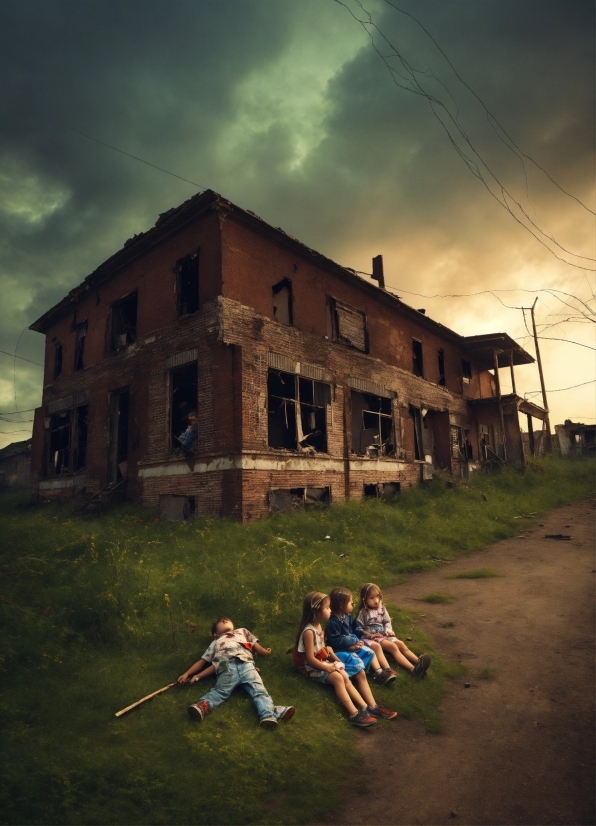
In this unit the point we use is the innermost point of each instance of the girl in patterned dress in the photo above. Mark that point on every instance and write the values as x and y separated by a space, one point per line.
374 623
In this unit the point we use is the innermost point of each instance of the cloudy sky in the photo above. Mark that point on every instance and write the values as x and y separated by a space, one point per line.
358 138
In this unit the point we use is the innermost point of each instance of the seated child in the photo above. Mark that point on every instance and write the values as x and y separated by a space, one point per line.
321 665
190 435
230 654
374 623
342 636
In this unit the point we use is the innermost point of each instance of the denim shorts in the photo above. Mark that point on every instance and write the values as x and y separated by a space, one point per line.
319 676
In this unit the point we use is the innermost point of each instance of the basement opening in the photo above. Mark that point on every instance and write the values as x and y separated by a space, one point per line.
285 499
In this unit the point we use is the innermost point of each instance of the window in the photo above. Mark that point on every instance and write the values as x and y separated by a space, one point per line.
123 322
187 284
466 369
297 412
282 302
348 325
417 365
418 438
382 490
292 498
118 434
67 441
57 359
441 359
372 425
80 335
183 408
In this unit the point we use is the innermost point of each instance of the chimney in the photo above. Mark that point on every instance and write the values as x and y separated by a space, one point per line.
377 272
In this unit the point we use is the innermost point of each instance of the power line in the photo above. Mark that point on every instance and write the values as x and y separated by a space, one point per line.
560 389
13 355
10 432
11 412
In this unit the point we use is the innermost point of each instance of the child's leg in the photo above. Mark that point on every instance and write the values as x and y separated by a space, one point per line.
406 652
252 683
345 692
381 659
397 655
364 688
222 690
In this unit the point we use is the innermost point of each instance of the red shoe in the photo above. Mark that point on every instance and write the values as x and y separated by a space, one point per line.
382 712
362 719
199 710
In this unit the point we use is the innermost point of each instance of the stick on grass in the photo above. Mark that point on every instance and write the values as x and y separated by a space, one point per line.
144 699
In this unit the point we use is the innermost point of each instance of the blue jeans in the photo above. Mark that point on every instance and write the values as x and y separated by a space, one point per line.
242 674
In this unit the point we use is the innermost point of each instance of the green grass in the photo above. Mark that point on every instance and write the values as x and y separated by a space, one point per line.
97 612
436 598
476 573
487 673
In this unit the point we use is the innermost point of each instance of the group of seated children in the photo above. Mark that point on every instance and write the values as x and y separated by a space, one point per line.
338 657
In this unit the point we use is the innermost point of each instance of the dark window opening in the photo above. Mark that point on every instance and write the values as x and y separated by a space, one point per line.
118 449
417 364
382 490
80 335
441 358
183 407
348 325
372 425
466 369
293 498
59 443
297 412
187 277
418 438
283 302
57 360
79 452
124 322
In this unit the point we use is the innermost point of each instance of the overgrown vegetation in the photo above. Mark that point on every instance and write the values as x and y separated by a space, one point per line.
436 598
98 612
476 573
487 673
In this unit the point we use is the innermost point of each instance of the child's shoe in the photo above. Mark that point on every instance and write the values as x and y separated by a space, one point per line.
284 712
199 710
362 718
268 722
382 712
385 677
421 666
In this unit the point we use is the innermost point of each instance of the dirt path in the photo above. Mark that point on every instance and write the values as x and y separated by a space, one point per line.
518 749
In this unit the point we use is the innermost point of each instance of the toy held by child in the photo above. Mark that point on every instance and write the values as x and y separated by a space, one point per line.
231 658
342 635
373 623
320 664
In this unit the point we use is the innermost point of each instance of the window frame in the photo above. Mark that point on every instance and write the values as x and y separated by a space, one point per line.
113 345
300 408
190 258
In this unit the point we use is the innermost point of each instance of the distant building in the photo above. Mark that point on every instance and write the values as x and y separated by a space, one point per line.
15 464
303 382
576 438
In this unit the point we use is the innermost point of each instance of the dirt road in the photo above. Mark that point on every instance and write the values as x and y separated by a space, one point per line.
518 749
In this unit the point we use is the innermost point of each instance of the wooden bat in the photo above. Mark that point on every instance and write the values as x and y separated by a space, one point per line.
144 699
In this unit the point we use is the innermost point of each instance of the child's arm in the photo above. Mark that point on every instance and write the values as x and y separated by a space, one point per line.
337 639
206 672
264 652
194 669
309 654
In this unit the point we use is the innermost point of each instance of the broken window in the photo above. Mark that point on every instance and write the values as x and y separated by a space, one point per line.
417 365
79 446
484 439
292 498
418 437
187 284
441 359
382 490
183 408
57 359
67 441
123 324
80 335
348 325
297 412
466 369
372 425
282 302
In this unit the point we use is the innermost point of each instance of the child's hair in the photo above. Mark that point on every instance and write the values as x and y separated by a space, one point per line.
313 602
216 623
369 589
339 597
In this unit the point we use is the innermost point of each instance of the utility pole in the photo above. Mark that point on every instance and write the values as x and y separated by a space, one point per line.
548 446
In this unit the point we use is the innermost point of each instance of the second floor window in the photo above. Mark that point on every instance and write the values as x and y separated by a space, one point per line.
57 359
282 302
187 284
466 369
417 363
80 335
123 322
441 360
348 325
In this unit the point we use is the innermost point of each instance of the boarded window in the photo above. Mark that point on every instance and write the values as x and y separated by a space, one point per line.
183 407
80 335
466 369
348 325
187 284
67 441
297 412
284 499
441 360
57 360
123 322
418 436
372 425
282 302
417 364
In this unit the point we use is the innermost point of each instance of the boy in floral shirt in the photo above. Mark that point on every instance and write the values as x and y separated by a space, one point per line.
230 653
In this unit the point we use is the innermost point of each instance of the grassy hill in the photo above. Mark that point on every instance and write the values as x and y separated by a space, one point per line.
97 612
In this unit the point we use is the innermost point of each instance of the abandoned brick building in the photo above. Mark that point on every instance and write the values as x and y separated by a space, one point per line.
303 381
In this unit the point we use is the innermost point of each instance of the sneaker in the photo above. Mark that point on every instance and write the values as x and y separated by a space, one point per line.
385 677
268 722
362 719
382 712
421 666
284 712
199 710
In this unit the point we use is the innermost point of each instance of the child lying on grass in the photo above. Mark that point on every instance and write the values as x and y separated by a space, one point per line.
230 656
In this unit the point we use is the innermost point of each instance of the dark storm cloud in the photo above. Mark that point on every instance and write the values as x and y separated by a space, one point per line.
285 108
